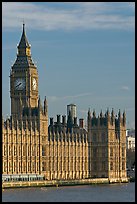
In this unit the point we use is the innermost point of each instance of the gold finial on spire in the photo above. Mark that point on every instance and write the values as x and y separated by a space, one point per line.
23 25
23 22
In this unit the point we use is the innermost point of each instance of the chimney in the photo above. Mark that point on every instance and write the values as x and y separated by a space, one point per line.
81 123
58 119
63 119
51 121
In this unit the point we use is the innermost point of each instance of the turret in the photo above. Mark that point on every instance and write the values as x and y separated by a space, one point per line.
124 118
119 114
94 119
40 105
112 117
94 114
119 117
11 122
101 114
107 115
89 119
45 106
101 118
89 114
7 123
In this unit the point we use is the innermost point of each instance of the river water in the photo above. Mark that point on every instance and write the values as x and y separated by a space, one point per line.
124 192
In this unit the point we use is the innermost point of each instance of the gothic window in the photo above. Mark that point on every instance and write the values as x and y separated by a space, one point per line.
14 167
28 150
111 165
33 166
85 138
111 151
103 165
43 166
111 136
24 167
5 150
19 166
94 166
15 150
43 126
94 151
43 151
103 137
14 138
24 150
94 137
29 166
33 150
9 150
19 150
123 152
123 165
103 152
10 166
37 166
5 137
5 166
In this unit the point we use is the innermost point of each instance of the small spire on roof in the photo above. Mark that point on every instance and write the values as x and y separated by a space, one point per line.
23 26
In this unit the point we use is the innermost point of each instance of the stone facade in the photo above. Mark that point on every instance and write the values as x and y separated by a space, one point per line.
107 144
22 142
62 149
66 151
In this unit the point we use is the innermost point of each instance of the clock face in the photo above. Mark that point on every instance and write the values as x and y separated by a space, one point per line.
34 84
19 84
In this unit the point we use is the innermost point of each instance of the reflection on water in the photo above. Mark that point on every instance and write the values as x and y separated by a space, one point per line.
86 193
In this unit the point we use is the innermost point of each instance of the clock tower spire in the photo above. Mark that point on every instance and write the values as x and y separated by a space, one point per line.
23 78
24 46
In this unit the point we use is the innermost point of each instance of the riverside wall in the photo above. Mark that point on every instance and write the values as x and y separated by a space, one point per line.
57 183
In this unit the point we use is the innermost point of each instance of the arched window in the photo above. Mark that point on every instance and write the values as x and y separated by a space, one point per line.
103 139
111 165
94 137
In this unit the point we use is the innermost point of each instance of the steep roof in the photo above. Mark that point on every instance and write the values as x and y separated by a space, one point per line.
23 42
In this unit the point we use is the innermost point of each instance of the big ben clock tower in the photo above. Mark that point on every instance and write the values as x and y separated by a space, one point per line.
23 78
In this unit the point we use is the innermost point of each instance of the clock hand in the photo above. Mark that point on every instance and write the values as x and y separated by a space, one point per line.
18 84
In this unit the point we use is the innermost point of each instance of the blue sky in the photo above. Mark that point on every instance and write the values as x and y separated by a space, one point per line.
84 52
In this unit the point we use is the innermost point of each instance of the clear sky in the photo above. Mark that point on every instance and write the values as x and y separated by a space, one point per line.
84 52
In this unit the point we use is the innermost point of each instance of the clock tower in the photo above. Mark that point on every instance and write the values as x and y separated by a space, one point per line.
23 78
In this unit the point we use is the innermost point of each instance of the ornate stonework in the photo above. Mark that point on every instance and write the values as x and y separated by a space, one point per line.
63 149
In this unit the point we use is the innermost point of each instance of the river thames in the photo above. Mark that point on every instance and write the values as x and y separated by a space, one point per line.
124 192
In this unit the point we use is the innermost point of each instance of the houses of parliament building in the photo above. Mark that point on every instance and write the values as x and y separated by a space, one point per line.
64 149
